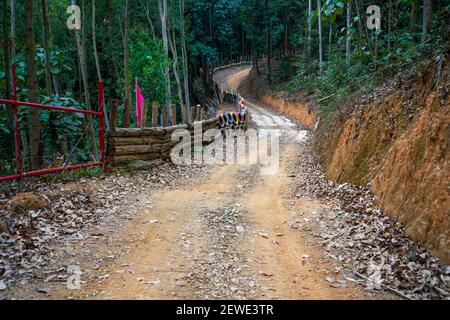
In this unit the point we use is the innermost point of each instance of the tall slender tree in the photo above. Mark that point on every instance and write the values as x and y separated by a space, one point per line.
23 135
413 17
163 16
7 64
46 41
173 49
6 50
319 20
12 8
286 34
126 61
147 14
94 41
269 41
187 98
427 15
390 17
81 48
309 29
348 43
36 146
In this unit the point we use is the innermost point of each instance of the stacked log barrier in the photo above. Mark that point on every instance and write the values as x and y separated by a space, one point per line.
147 144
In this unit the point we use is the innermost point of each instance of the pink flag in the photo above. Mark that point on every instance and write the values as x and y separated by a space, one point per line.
139 104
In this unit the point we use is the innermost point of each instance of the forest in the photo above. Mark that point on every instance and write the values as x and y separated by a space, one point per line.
323 48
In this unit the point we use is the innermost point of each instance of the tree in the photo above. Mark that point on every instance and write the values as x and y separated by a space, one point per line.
286 34
163 16
389 35
255 57
147 14
187 94
348 42
7 64
413 17
94 42
269 42
36 147
81 49
126 58
46 38
427 12
6 51
173 49
319 19
309 28
12 6
23 135
333 9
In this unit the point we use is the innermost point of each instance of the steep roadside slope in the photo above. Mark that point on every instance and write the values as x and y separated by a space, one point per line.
397 139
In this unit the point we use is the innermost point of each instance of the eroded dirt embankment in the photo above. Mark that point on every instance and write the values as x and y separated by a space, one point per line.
398 140
302 112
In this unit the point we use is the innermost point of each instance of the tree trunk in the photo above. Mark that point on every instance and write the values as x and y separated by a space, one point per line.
46 37
254 50
173 49
147 13
427 15
84 25
23 134
389 41
319 19
7 64
243 41
163 15
32 84
330 39
413 17
85 84
210 21
112 56
286 35
269 44
360 20
348 42
94 42
187 98
48 77
6 55
126 57
12 6
309 29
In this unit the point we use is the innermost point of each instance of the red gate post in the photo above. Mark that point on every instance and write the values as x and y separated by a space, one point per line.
101 129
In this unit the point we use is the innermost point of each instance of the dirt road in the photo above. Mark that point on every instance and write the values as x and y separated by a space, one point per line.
226 235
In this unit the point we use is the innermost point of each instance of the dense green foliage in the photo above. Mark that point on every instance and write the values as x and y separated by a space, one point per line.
375 55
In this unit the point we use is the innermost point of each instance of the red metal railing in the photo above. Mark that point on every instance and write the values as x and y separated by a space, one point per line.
16 104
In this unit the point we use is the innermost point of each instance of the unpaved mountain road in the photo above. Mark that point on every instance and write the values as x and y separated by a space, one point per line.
225 235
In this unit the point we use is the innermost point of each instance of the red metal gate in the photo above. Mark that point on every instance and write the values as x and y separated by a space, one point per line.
16 104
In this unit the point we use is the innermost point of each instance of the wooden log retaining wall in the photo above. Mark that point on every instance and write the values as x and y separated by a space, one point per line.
131 144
